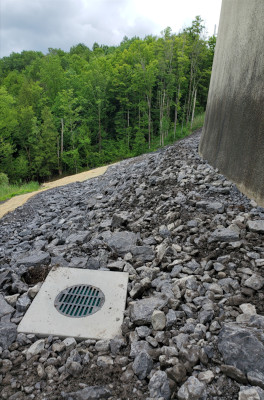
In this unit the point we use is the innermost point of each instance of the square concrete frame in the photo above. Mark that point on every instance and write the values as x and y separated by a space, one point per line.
43 319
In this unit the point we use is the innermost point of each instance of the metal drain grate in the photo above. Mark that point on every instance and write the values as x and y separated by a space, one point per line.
79 301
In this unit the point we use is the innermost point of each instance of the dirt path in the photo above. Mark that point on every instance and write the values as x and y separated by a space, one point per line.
17 201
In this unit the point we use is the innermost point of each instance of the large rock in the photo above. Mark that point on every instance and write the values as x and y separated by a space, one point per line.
23 303
120 219
256 226
74 368
256 379
138 347
159 385
213 206
78 238
158 320
257 321
5 308
4 277
248 309
38 258
242 347
143 253
142 365
177 373
234 373
250 393
142 310
255 282
35 348
8 334
88 393
224 235
122 242
192 389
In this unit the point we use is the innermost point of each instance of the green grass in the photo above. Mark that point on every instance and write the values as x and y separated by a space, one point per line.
198 122
8 191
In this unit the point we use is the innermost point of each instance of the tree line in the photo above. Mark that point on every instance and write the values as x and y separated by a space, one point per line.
66 111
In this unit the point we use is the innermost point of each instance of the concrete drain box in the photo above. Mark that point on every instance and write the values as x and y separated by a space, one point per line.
78 303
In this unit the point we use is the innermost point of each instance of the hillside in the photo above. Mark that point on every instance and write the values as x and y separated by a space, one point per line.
193 247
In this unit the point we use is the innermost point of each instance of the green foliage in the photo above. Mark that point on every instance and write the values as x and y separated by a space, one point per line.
8 112
18 61
21 168
64 112
51 75
44 161
197 122
8 191
139 145
3 179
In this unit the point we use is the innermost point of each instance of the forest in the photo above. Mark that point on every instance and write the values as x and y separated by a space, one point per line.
64 112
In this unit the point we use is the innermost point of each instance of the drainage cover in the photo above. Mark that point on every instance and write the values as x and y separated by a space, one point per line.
79 301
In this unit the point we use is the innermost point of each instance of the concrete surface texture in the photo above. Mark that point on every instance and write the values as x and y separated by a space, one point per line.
233 133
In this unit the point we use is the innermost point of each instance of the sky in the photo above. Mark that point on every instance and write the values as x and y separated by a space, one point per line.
40 24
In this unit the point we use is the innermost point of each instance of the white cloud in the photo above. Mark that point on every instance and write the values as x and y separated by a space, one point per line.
40 24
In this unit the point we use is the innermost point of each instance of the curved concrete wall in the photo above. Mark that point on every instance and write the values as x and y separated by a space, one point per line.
233 133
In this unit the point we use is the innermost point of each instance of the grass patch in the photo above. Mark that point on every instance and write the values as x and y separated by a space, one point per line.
198 122
7 190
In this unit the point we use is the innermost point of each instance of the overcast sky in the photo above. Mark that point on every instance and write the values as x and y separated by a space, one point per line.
40 24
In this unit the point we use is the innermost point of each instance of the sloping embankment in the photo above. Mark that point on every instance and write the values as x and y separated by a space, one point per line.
17 201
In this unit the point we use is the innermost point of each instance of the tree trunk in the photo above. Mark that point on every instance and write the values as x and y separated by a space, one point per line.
62 129
183 117
58 156
189 95
194 103
162 101
99 129
149 121
160 120
28 156
176 111
128 134
168 116
62 144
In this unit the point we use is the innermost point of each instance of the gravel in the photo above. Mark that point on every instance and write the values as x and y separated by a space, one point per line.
193 247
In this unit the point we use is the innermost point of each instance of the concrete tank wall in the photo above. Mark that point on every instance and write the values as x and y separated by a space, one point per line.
233 133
